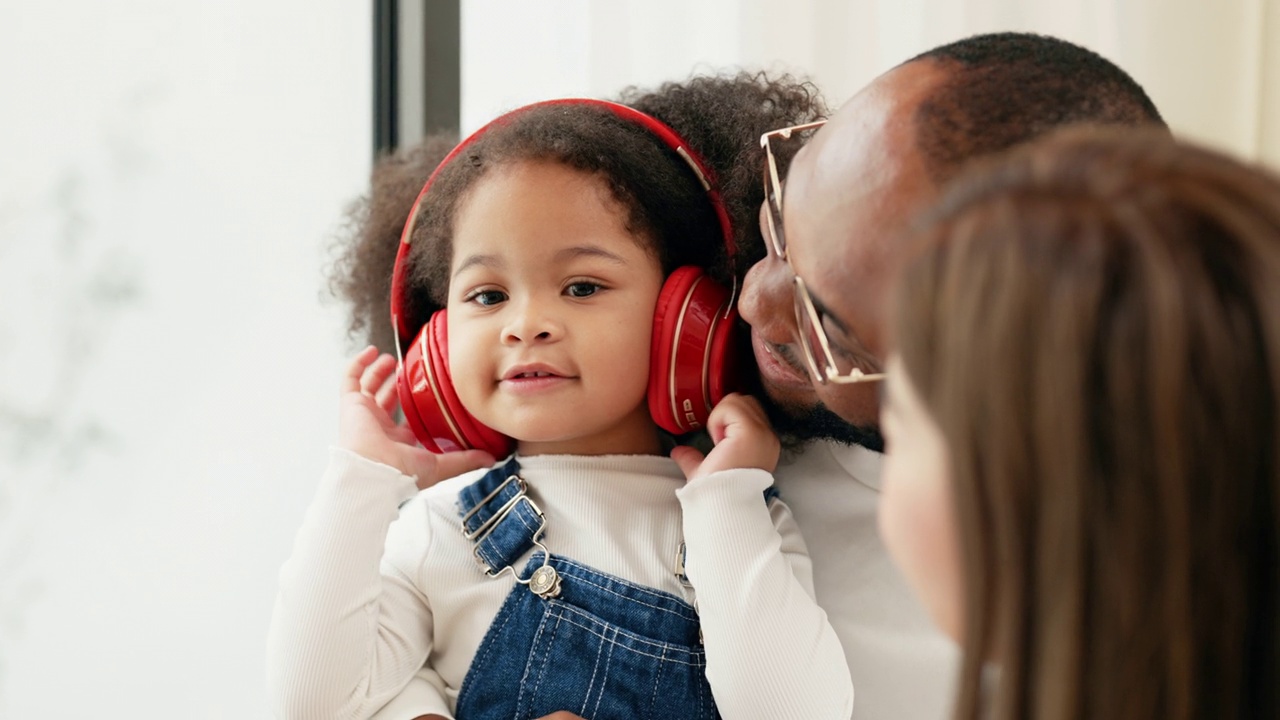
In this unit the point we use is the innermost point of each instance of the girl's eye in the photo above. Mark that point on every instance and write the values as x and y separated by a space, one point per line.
486 297
582 289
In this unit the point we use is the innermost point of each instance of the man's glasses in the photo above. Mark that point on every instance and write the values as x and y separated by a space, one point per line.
825 365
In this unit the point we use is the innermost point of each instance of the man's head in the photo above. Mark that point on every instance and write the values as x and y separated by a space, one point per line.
854 190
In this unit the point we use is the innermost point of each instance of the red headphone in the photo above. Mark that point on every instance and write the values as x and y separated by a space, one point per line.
691 364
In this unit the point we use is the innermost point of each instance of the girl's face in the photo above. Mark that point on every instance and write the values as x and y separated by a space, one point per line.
551 303
917 516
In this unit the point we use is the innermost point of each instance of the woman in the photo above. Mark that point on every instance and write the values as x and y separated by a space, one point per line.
1084 424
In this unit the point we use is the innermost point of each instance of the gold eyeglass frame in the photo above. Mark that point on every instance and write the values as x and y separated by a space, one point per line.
803 301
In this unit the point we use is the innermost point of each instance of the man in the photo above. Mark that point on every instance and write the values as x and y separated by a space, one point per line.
849 195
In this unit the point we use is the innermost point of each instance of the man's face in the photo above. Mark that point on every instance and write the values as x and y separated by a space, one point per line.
849 195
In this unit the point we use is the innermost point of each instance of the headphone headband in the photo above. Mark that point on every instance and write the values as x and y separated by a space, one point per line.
668 136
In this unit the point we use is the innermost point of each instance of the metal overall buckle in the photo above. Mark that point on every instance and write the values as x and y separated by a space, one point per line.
544 581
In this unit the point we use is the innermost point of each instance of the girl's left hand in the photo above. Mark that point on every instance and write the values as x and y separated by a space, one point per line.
743 438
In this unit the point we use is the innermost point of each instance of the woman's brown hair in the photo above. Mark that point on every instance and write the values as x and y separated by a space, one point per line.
1094 322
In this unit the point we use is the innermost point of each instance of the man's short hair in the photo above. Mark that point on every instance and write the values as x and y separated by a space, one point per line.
1003 89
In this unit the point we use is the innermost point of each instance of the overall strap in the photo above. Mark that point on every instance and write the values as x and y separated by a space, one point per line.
499 517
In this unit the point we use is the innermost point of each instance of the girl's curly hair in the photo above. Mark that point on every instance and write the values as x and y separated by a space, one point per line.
721 118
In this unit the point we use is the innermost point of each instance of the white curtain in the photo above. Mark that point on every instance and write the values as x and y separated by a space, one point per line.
1213 68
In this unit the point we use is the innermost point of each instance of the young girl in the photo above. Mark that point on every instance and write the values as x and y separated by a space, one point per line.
590 573
1083 479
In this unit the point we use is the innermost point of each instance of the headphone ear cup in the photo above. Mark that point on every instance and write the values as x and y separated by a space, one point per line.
724 373
472 433
413 388
691 363
420 398
431 406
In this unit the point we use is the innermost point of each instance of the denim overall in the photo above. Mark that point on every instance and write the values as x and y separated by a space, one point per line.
569 637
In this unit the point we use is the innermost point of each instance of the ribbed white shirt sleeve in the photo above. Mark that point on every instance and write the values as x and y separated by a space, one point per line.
771 652
349 628
424 695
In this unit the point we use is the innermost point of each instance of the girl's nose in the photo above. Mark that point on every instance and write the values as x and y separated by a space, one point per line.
532 322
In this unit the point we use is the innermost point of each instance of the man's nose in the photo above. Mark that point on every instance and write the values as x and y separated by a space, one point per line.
767 302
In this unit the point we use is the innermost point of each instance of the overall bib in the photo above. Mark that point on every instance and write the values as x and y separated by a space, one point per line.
570 637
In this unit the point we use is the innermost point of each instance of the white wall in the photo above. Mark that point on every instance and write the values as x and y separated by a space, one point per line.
1209 66
170 173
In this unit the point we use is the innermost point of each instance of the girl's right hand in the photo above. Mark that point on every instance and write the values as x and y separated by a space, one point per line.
365 426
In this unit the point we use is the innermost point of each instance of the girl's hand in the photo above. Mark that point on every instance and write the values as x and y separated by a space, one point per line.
368 402
743 439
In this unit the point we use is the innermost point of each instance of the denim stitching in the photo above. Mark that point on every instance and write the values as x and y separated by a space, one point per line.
603 683
591 683
708 699
524 680
697 695
547 655
524 521
659 608
645 589
709 713
676 612
657 677
470 496
593 621
642 641
487 645
490 545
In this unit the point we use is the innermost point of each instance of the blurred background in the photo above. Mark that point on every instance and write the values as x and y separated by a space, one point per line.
173 176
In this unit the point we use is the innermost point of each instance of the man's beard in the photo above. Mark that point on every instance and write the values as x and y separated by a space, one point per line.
796 426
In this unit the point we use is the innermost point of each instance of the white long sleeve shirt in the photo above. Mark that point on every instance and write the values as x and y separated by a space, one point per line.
372 594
